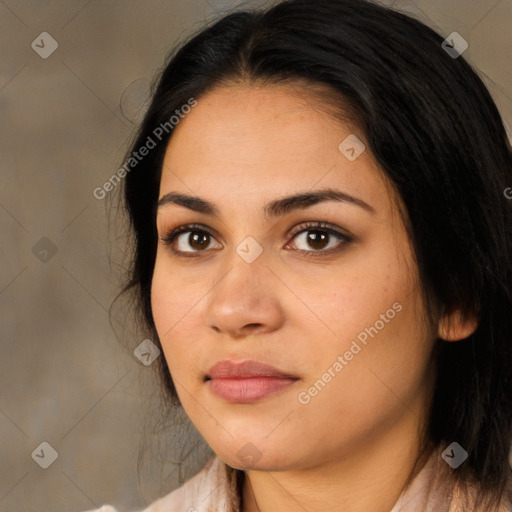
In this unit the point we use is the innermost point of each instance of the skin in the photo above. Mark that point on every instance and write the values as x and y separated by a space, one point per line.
352 446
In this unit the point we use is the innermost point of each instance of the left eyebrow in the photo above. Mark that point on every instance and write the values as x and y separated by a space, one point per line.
275 208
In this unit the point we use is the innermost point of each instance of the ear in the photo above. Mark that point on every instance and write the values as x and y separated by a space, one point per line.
453 326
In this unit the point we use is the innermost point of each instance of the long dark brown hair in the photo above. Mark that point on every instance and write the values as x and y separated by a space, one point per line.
436 133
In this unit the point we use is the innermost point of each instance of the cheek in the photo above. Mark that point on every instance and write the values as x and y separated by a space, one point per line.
379 380
373 316
163 301
353 298
172 297
171 303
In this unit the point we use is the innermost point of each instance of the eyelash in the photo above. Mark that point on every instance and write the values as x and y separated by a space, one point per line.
307 226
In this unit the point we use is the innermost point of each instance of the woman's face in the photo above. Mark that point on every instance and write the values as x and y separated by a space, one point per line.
337 307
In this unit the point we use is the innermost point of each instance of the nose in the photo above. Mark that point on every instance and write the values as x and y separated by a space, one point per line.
245 301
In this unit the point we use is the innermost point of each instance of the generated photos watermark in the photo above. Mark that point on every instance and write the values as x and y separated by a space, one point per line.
137 156
304 397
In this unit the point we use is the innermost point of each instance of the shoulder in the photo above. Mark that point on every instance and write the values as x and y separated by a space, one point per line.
104 508
434 490
208 490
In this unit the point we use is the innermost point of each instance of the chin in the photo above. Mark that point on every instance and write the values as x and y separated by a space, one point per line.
251 457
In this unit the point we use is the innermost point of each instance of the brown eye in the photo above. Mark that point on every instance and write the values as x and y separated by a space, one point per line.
319 238
198 240
189 239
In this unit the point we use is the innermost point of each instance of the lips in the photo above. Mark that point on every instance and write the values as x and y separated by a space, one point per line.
246 382
244 370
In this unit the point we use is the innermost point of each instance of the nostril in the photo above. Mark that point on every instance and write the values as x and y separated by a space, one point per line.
254 325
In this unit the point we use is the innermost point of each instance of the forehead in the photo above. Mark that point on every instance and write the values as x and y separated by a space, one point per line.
251 142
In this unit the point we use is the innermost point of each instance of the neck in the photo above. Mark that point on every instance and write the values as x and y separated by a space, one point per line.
368 479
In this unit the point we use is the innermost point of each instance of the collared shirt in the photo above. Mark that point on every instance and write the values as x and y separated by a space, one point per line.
214 489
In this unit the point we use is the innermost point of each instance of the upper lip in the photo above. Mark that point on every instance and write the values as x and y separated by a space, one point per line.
245 369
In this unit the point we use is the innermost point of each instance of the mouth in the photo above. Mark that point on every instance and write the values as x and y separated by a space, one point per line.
247 381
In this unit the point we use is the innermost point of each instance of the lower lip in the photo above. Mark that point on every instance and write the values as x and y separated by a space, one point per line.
244 391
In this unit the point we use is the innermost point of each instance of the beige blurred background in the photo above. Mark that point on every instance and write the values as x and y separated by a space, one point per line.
66 121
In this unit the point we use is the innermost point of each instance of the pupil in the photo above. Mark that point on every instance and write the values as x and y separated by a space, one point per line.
195 238
315 237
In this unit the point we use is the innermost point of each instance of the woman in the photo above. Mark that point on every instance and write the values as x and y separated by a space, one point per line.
323 253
